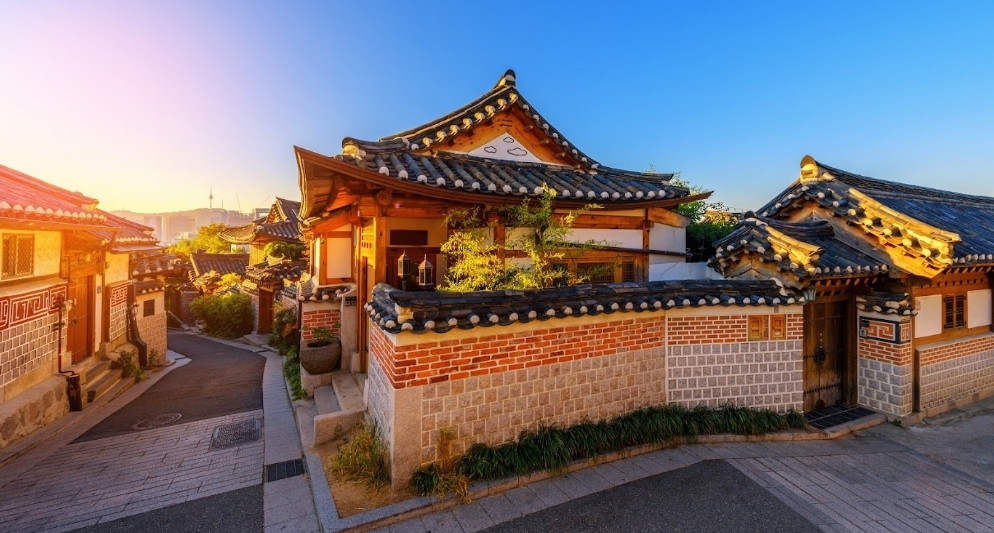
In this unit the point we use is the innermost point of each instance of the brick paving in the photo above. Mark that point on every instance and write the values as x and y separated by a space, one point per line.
61 485
851 484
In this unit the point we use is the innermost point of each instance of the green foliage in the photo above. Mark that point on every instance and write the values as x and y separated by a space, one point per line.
227 315
206 240
291 369
320 336
477 263
129 365
285 333
363 458
703 230
553 447
287 250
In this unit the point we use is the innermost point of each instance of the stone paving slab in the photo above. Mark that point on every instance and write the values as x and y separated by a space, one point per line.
127 475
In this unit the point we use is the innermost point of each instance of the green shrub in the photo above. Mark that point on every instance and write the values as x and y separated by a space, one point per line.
291 369
285 333
553 447
227 315
129 365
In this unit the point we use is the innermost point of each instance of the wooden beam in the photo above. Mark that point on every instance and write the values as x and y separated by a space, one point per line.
665 216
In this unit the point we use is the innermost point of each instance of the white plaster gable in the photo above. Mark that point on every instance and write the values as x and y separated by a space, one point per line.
507 148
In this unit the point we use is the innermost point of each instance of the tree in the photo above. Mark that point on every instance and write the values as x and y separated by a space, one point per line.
287 250
703 230
207 240
478 264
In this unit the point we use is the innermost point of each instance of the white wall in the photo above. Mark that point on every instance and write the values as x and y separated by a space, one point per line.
929 318
339 255
667 239
978 308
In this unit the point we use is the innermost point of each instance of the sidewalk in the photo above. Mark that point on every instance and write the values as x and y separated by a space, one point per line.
50 483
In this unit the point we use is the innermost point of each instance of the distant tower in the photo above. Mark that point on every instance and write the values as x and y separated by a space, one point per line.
210 199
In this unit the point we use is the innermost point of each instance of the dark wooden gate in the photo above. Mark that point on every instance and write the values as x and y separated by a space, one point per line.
266 298
79 322
826 333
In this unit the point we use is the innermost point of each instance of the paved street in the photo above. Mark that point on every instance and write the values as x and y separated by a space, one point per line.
150 461
879 480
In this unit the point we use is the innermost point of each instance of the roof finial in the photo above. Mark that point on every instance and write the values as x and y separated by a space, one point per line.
507 79
809 168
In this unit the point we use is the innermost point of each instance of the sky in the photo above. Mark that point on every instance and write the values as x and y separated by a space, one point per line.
151 106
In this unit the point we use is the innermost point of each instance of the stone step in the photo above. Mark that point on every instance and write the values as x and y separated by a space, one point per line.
325 400
347 391
101 379
339 407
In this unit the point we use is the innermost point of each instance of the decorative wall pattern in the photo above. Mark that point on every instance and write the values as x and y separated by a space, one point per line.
23 308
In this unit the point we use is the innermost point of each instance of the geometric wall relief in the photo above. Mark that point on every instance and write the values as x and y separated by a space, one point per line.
15 310
507 148
884 330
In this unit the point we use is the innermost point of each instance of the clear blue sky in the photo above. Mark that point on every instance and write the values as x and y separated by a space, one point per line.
145 105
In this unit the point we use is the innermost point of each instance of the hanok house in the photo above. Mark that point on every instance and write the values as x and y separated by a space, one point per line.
488 365
67 301
363 209
900 276
270 281
208 268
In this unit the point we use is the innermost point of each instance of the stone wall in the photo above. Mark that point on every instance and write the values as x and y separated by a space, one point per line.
487 385
118 301
152 328
956 369
28 339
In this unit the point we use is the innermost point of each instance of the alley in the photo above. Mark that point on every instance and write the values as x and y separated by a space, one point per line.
185 454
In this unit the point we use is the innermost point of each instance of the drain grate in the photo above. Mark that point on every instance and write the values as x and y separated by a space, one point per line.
235 434
278 471
836 415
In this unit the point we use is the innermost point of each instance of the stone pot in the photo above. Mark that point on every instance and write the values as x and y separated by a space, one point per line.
321 359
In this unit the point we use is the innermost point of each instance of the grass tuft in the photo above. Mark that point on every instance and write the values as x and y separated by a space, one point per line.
363 458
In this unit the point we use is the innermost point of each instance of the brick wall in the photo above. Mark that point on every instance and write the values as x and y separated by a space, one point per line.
956 369
487 385
884 363
328 315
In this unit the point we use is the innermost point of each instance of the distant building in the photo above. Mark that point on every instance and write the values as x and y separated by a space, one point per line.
154 222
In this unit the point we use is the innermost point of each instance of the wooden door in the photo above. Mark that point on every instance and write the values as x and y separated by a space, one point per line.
265 311
826 328
79 320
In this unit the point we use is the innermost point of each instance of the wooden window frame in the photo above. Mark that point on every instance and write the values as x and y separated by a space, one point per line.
13 243
954 319
148 308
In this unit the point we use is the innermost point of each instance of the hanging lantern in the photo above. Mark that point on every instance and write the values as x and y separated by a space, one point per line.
426 274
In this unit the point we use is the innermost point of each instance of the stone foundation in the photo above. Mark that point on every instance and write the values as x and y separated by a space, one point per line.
885 387
41 404
954 370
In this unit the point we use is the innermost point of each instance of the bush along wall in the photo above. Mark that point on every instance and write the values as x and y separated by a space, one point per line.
553 447
227 315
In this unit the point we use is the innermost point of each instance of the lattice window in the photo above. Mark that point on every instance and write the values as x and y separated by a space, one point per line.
954 311
148 308
595 272
628 272
18 255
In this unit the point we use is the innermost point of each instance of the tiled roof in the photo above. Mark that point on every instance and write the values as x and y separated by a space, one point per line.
306 292
421 161
890 303
204 263
807 249
157 265
395 310
23 197
285 270
282 223
937 228
149 286
129 236
504 96
506 178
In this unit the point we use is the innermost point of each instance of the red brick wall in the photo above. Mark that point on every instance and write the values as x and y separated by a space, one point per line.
721 329
885 352
953 350
435 361
328 317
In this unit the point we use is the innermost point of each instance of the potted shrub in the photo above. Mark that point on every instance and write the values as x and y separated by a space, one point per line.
322 352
